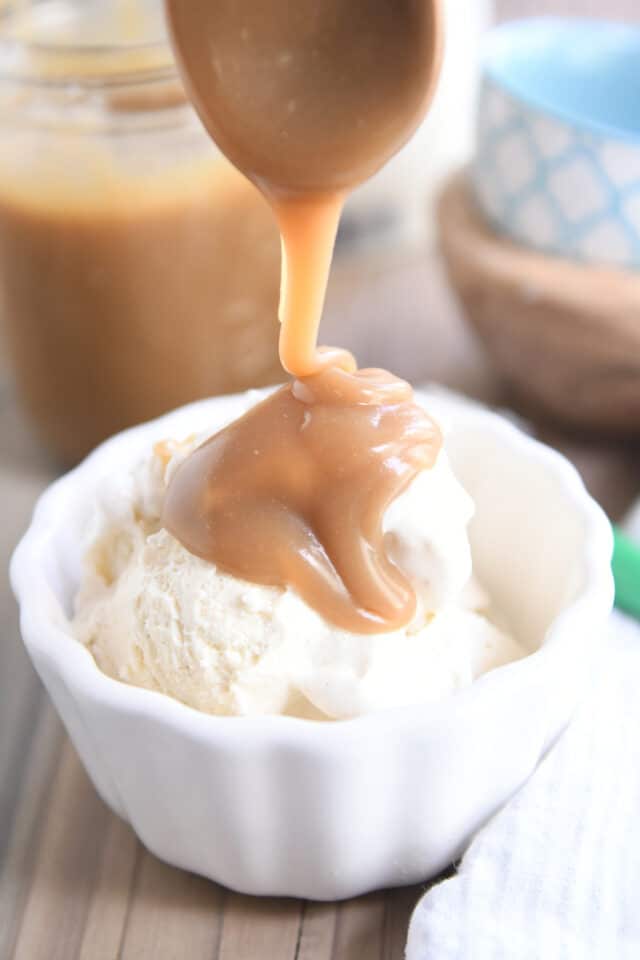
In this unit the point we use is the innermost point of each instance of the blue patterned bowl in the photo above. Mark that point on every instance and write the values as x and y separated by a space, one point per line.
557 165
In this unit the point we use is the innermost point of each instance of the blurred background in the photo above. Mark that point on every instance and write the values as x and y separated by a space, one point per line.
138 271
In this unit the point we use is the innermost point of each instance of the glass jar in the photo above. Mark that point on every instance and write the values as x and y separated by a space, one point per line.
138 270
389 210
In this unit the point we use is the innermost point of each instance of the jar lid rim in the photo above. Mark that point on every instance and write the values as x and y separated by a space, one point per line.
50 63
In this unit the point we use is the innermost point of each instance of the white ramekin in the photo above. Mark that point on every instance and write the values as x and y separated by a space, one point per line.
277 805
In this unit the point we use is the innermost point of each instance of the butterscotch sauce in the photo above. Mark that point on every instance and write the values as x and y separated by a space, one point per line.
295 491
308 227
308 100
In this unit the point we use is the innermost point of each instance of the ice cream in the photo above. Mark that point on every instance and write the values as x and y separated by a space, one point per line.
157 616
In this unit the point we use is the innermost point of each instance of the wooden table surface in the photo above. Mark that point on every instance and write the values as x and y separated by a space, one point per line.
74 882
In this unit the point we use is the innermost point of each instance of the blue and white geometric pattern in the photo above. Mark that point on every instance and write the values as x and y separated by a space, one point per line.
553 186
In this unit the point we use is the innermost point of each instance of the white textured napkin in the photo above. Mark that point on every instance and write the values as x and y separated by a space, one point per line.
556 873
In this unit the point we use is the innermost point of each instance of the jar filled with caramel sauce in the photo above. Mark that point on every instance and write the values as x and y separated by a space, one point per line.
138 269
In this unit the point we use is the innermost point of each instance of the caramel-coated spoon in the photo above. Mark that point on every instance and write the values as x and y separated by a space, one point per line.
308 98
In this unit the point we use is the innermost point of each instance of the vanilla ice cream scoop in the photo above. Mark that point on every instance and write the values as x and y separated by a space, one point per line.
157 616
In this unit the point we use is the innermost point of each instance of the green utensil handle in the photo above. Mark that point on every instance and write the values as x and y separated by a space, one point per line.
626 573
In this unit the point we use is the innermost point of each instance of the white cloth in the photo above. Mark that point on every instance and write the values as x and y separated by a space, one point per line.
555 875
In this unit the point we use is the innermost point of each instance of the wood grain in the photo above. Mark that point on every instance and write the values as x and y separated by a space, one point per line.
360 928
172 914
112 894
67 858
255 928
317 932
23 825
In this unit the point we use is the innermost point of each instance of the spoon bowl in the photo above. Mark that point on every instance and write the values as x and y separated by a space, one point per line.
308 97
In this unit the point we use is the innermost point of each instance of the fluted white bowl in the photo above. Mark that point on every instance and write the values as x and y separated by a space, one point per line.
277 805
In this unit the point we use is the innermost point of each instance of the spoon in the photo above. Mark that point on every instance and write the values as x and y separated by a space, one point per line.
308 99
312 96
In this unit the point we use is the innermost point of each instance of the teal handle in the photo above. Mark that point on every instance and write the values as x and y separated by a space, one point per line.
626 573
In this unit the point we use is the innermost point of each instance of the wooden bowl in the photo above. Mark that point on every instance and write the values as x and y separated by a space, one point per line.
564 335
